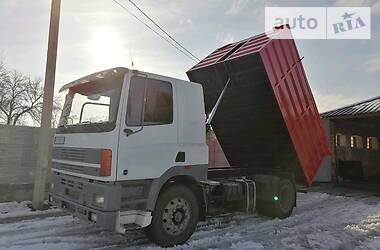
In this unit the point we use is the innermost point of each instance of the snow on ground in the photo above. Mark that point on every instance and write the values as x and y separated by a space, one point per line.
14 209
320 221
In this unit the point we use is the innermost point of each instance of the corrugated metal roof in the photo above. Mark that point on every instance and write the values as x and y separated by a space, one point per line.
367 107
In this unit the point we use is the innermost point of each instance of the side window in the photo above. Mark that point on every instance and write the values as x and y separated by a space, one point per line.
356 141
372 143
135 101
158 105
340 140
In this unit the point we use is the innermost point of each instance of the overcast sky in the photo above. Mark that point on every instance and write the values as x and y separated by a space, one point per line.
98 34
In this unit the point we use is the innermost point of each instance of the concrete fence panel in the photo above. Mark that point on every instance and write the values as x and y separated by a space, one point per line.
18 160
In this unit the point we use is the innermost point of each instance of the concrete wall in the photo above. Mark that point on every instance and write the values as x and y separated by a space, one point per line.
18 150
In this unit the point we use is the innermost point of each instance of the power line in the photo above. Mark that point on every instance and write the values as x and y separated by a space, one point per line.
171 37
158 34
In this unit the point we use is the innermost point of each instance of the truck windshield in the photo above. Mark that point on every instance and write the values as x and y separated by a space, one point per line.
91 107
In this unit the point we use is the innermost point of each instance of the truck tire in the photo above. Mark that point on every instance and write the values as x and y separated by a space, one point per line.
287 199
175 216
281 203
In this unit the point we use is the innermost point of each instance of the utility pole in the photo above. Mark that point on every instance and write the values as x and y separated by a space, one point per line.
44 142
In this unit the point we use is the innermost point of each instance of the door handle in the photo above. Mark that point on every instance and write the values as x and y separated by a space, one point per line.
128 131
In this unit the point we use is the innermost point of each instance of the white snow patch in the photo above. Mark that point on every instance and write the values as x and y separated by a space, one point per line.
320 221
323 241
241 245
16 209
371 244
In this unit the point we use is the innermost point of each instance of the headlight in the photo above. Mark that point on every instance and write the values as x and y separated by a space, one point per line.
99 200
52 186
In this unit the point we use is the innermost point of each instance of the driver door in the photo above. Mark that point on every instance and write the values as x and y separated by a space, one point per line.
148 134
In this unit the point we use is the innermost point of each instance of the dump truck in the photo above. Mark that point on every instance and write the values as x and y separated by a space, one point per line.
131 147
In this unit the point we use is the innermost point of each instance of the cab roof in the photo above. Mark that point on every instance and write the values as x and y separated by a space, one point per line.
96 76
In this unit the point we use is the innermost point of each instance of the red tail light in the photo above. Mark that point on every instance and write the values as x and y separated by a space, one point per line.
106 162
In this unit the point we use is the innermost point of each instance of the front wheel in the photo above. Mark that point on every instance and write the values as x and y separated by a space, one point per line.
175 216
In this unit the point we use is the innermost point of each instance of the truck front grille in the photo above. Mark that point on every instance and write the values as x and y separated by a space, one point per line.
87 155
77 160
73 154
72 168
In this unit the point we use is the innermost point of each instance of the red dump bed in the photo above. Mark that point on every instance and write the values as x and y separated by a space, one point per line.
267 119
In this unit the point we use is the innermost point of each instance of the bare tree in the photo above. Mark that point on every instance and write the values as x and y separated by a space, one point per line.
57 109
20 98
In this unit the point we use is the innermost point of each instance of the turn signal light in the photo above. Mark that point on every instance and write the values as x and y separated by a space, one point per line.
106 162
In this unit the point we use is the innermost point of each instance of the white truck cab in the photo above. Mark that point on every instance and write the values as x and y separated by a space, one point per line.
123 134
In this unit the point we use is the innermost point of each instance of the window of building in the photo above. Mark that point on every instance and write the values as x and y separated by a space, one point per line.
356 141
158 102
340 140
372 143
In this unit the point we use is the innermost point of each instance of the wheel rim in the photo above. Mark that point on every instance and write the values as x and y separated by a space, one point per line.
176 216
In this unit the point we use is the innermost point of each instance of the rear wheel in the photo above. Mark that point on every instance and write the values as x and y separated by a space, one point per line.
175 216
280 203
287 199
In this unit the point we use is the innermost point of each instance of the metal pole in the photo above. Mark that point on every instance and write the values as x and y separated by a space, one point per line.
44 143
215 108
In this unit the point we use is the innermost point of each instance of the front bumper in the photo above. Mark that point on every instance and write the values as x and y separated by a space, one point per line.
77 196
107 220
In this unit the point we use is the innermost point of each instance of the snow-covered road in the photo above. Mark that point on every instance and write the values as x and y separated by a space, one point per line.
320 221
